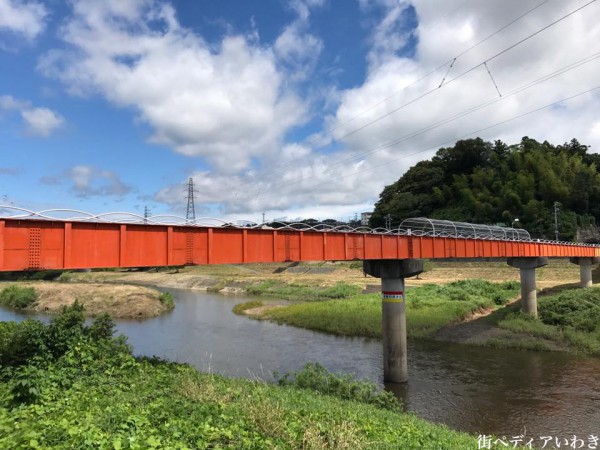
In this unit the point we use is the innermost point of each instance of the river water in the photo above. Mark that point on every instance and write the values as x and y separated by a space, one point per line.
481 391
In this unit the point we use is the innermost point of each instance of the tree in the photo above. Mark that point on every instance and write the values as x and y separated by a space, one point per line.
495 183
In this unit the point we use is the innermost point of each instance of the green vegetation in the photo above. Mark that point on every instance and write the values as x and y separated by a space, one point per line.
241 307
294 291
36 275
18 297
428 308
67 385
316 377
570 318
481 182
166 298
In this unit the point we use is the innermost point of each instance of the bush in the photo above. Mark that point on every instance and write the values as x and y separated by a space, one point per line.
166 298
20 343
578 308
317 378
18 297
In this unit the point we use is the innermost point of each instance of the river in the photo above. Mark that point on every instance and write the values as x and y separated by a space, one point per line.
481 391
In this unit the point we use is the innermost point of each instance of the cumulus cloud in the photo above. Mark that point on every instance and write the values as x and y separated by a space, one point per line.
232 103
296 48
400 111
25 18
227 103
87 181
39 121
42 121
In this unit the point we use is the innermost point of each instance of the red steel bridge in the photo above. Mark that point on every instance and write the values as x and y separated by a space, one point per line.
33 243
36 241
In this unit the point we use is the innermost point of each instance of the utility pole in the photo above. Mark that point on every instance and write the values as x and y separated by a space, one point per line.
263 214
556 211
146 214
190 216
388 222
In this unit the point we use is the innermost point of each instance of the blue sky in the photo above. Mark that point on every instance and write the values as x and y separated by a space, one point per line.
295 108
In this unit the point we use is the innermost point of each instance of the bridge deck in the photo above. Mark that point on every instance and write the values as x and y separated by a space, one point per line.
44 244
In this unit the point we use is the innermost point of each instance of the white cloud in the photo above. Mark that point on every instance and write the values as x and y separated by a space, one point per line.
296 48
40 122
390 122
232 103
227 103
26 18
391 104
9 103
87 181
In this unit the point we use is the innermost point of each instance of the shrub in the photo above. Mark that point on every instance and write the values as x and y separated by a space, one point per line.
578 308
103 327
315 377
18 297
21 343
166 298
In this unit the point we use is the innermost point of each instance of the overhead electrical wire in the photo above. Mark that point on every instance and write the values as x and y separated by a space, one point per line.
483 63
463 74
451 61
453 140
449 119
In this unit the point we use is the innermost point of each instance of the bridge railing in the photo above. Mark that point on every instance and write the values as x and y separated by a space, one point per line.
420 226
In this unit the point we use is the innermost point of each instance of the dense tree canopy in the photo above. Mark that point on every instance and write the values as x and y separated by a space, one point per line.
493 183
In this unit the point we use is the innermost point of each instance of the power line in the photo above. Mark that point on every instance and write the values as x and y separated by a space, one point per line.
451 61
464 136
466 72
449 119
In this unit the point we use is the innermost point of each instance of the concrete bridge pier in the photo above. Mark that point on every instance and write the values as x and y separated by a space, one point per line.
585 269
393 308
527 268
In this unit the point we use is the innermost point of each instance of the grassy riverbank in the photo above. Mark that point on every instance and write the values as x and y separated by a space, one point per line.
569 318
67 385
429 308
469 311
122 301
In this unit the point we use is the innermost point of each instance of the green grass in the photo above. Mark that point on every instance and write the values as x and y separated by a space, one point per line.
166 299
429 308
570 318
241 307
18 297
67 385
294 291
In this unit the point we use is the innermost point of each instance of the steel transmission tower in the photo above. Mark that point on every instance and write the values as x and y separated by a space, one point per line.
191 209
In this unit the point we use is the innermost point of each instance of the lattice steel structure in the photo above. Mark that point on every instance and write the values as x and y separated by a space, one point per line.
422 226
190 215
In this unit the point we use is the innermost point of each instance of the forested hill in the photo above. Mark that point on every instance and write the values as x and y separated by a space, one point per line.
494 183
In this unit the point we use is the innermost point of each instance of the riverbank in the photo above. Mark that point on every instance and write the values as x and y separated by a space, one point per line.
441 305
473 312
81 388
236 278
120 301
